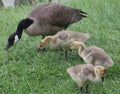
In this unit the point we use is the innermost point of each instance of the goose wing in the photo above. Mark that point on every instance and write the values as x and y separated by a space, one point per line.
57 15
63 16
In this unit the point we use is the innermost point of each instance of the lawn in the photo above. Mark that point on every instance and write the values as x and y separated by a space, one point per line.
23 70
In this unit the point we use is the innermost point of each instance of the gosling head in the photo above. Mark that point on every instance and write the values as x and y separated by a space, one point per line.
76 45
42 44
100 70
45 41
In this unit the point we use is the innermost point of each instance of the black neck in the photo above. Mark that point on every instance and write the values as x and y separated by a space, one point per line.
23 24
19 31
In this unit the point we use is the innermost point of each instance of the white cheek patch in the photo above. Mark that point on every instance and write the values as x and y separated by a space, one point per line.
16 38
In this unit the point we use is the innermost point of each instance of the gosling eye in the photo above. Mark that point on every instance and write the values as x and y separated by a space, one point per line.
102 73
40 45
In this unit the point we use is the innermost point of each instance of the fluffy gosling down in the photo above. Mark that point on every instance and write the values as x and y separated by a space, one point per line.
84 73
63 40
93 55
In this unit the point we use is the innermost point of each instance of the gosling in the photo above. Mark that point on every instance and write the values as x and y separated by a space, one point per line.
93 55
63 40
84 73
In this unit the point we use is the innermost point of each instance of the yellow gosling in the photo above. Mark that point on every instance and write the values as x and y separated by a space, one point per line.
93 55
63 40
84 73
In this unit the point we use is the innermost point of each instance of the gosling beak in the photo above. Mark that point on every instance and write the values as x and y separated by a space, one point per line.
8 46
102 79
39 50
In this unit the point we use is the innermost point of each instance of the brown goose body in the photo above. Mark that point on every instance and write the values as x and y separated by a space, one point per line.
51 18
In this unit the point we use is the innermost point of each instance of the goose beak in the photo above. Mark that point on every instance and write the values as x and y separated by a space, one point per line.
8 46
102 79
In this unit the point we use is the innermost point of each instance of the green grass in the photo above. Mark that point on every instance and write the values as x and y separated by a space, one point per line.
25 71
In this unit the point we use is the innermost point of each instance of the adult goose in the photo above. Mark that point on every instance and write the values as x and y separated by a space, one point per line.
46 19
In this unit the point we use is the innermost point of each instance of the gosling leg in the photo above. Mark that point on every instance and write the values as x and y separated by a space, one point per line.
81 90
65 55
86 92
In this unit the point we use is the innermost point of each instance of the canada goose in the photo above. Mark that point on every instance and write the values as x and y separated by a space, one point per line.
63 39
93 55
84 73
46 20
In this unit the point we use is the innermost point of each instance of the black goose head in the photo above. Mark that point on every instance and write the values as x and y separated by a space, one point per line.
11 40
23 24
